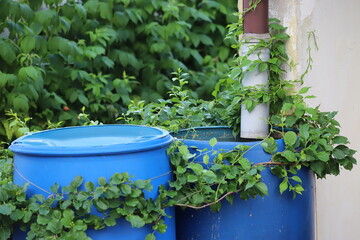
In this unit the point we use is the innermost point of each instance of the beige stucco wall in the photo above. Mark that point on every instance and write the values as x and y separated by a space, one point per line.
335 79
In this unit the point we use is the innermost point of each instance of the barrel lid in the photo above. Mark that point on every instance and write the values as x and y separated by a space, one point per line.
91 140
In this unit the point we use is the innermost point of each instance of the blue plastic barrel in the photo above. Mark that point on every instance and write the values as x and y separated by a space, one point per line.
59 155
273 217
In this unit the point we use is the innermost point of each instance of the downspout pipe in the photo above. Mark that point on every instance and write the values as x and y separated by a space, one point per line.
254 124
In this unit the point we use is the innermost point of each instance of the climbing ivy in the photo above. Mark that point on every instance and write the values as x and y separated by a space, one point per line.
312 137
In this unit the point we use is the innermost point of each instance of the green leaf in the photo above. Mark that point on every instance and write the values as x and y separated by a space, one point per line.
197 198
206 159
318 167
105 10
150 236
304 131
269 145
8 52
277 26
180 169
263 66
323 156
149 187
55 226
107 61
77 181
7 79
287 106
68 214
66 222
121 18
249 104
140 183
80 10
192 178
101 204
136 221
84 100
82 196
17 215
245 164
296 179
283 185
126 189
339 154
184 151
46 17
80 225
27 216
117 178
21 103
289 155
27 73
304 90
235 72
224 53
28 44
340 140
89 186
262 188
250 184
43 220
196 167
290 138
26 12
206 40
282 36
299 189
102 181
110 221
134 17
210 176
132 202
5 233
34 206
7 208
54 188
197 56
213 142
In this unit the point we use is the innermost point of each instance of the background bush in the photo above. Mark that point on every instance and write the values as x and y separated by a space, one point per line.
56 56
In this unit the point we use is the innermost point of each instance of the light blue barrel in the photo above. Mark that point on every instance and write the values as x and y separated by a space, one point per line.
59 155
273 217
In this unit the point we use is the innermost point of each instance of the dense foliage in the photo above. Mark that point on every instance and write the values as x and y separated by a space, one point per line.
312 139
57 56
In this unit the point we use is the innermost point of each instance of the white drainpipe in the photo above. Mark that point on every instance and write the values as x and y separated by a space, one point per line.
254 124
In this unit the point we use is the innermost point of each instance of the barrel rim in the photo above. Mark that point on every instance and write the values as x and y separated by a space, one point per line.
160 140
253 143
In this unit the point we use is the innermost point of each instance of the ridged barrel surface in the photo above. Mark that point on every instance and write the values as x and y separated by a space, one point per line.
273 217
59 155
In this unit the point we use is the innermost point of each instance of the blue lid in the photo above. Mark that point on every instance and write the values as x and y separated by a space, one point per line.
91 140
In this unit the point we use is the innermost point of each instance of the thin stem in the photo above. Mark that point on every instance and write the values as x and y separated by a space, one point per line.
206 205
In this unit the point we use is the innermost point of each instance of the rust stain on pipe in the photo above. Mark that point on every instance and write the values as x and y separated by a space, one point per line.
256 20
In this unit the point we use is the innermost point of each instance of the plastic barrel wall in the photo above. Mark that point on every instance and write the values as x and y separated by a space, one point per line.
273 217
59 155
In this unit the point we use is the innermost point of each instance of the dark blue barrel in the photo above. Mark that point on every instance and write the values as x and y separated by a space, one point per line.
273 217
59 155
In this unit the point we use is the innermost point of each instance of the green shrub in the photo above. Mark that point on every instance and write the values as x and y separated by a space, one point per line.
56 57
